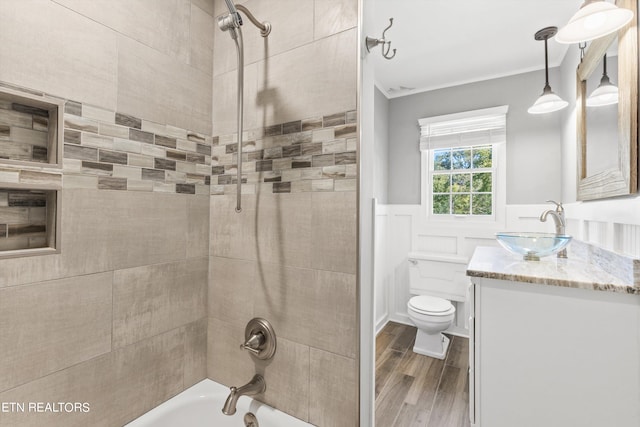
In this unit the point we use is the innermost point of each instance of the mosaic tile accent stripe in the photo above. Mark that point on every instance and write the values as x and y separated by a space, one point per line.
23 219
314 154
23 132
109 150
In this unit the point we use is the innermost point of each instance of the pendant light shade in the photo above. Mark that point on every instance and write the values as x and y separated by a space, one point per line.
548 102
596 18
606 93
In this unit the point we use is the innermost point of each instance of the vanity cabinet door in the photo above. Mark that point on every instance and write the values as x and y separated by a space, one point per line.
555 357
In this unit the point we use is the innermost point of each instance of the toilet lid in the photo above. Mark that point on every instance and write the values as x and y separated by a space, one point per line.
428 304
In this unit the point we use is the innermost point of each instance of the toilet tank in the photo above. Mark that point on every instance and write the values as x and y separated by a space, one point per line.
442 276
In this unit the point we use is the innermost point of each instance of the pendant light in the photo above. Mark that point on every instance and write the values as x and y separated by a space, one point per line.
547 102
596 18
606 93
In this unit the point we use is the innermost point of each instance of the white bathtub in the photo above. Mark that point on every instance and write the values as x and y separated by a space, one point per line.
201 406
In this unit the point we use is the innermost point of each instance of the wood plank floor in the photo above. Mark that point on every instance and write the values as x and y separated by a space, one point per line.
413 390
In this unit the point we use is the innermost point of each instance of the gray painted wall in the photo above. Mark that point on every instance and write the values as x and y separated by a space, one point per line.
533 142
381 147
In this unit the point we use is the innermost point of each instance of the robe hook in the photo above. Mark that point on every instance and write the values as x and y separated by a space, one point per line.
371 43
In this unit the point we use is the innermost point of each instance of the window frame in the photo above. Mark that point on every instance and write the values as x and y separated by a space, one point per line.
498 170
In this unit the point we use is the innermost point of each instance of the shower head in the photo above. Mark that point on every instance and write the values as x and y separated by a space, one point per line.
231 6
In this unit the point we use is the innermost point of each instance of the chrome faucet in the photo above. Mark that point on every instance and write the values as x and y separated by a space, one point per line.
558 218
255 386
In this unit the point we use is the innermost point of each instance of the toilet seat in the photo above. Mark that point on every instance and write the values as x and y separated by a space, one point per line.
432 306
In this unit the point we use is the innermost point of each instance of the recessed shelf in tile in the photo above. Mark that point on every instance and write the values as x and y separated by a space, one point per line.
30 129
28 221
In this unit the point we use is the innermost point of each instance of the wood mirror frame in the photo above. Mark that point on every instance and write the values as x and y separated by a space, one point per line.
622 180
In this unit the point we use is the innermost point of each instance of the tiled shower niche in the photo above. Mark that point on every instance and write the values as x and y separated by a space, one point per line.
27 221
30 176
30 129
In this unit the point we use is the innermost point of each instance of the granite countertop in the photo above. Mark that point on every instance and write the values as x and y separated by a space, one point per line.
573 272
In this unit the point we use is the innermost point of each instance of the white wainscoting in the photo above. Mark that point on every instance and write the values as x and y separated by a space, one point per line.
612 224
400 229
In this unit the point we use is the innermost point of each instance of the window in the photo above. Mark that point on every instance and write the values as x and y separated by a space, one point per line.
463 169
462 181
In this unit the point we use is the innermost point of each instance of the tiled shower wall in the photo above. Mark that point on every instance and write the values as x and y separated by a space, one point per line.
117 319
290 255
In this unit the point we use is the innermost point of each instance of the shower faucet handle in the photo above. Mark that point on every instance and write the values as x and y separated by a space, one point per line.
259 339
254 344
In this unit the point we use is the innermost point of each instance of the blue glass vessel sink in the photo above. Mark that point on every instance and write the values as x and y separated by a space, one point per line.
533 246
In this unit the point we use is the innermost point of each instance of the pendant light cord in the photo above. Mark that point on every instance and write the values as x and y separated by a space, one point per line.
547 87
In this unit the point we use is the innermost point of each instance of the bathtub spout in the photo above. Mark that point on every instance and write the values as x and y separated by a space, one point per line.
255 386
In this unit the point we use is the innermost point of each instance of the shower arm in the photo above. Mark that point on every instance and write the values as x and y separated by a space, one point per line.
264 27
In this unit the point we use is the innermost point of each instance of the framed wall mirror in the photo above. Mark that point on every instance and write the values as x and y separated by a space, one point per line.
607 135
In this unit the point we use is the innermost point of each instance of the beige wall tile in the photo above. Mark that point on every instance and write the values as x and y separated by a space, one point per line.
161 187
97 113
197 239
284 229
287 378
130 172
119 386
311 307
333 394
334 233
201 40
195 352
153 299
49 326
115 230
79 181
345 185
231 283
76 58
334 16
233 235
206 5
292 26
226 363
8 175
161 24
188 88
127 145
133 185
225 102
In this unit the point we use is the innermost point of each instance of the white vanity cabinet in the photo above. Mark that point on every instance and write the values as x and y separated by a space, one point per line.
549 355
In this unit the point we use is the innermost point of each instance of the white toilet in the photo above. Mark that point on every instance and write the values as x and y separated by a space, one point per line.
436 280
432 316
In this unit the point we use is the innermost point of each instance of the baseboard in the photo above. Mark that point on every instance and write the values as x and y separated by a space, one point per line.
401 318
453 330
457 331
380 324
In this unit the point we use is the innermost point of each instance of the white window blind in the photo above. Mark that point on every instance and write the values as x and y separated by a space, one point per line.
486 126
